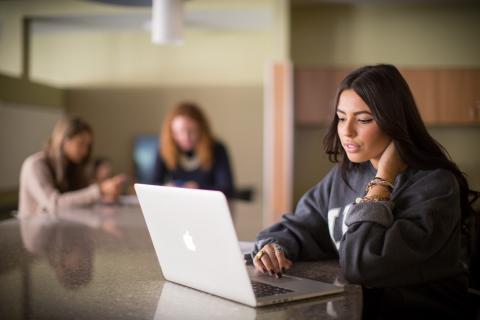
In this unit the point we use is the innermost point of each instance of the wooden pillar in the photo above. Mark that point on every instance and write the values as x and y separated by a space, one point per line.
278 142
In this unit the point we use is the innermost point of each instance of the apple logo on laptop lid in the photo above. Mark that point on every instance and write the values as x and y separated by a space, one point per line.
188 240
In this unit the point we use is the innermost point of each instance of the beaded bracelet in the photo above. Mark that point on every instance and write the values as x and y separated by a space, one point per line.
385 181
371 199
377 181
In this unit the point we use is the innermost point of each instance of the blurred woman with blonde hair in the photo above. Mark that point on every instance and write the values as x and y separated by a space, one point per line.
57 177
189 156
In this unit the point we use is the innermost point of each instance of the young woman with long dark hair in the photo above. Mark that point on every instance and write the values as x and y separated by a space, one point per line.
391 210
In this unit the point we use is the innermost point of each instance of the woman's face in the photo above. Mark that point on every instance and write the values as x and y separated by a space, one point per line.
76 148
359 133
186 133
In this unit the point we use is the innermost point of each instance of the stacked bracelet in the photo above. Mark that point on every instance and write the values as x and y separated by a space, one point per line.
377 181
371 199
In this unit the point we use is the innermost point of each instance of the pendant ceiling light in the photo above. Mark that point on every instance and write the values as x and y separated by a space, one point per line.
167 21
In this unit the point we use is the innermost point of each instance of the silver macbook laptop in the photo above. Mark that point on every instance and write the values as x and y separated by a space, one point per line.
203 306
196 245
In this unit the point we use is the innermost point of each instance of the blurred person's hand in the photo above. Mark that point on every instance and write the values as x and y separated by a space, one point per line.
190 185
112 187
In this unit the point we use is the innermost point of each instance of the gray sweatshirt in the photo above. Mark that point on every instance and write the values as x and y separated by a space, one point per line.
412 239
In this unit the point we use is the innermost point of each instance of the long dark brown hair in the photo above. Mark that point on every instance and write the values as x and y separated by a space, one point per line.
204 149
388 96
68 176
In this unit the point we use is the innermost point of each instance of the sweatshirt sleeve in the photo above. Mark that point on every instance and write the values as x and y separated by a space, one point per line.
41 187
304 234
402 242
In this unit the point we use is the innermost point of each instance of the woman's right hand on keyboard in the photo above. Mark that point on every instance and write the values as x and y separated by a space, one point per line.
271 259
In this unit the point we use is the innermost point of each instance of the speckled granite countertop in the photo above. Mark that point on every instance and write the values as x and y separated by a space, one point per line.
100 264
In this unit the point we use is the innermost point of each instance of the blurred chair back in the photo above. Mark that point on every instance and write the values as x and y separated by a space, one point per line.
244 194
145 150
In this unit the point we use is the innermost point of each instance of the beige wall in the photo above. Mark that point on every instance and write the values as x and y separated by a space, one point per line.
88 58
405 35
24 129
129 58
462 144
10 41
12 13
236 115
27 113
21 91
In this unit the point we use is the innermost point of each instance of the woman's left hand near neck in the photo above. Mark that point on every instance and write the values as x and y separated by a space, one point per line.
390 163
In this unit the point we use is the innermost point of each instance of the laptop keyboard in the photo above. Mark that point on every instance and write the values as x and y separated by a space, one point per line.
264 290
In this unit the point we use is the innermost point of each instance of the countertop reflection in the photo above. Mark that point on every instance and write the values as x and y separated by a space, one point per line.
99 263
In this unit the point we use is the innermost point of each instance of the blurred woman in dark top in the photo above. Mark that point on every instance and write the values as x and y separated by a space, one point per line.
189 156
